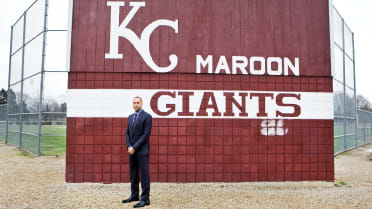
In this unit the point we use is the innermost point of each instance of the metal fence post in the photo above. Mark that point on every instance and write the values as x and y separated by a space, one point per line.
42 77
8 94
21 110
370 140
344 81
355 96
364 135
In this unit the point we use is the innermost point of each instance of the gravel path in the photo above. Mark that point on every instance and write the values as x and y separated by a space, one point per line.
31 182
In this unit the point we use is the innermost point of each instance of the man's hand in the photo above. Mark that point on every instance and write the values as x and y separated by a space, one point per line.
131 150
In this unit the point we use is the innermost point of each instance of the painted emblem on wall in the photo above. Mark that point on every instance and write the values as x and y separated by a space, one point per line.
141 44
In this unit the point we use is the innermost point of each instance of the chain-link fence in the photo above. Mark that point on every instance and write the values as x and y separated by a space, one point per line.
38 67
364 127
3 122
352 128
343 65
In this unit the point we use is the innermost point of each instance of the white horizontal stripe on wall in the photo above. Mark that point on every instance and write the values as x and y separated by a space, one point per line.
115 103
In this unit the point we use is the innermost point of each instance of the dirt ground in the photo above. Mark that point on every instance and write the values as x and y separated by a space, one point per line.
38 182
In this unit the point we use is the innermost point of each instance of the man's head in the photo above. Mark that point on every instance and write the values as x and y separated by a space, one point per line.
137 103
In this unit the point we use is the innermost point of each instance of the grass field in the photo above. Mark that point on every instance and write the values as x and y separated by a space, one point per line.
339 144
50 145
53 145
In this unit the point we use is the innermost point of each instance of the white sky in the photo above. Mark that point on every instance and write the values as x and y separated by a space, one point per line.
10 11
357 14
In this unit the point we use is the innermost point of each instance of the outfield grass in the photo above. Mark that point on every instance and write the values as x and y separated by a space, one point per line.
13 138
338 129
339 141
53 145
50 145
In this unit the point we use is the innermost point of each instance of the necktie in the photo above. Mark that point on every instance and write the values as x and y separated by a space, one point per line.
134 121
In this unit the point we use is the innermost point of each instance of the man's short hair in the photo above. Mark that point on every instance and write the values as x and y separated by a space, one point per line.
137 97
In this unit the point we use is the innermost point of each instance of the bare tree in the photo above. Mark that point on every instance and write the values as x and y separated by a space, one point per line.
363 103
338 101
3 96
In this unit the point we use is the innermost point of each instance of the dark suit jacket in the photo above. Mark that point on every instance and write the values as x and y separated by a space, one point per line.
138 136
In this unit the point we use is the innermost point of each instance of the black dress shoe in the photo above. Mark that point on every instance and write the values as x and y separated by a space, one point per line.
131 199
141 204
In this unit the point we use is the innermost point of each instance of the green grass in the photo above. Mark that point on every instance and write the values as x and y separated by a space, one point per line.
13 138
50 145
53 145
339 143
2 138
30 143
338 129
34 129
341 184
22 154
54 130
345 153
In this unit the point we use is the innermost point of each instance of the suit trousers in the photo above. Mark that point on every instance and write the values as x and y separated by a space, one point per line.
139 163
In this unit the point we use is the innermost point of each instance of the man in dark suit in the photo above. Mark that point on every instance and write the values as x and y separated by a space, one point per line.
138 134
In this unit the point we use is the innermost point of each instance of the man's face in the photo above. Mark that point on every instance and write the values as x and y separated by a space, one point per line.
137 104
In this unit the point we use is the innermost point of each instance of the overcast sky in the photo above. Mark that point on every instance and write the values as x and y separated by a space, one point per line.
357 14
10 11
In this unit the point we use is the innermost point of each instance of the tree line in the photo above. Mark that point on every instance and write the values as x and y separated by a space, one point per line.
49 105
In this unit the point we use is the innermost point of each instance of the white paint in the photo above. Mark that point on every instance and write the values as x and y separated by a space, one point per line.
240 63
223 65
289 65
271 128
142 45
200 62
278 62
118 103
260 71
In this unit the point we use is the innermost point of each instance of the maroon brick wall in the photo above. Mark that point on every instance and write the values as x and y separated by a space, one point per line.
197 149
202 150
